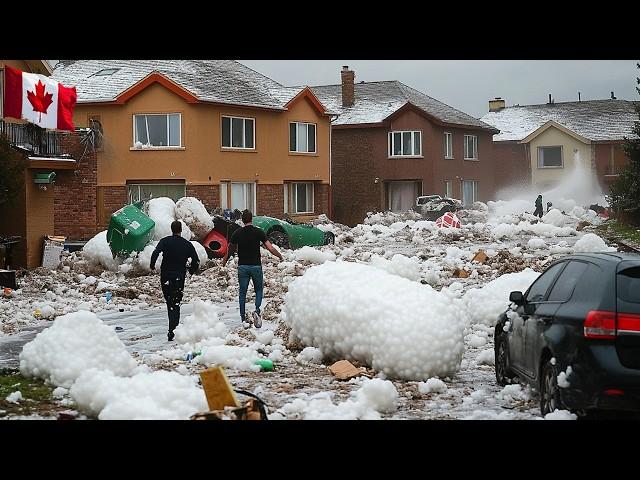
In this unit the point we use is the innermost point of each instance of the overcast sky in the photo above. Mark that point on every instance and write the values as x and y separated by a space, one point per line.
468 85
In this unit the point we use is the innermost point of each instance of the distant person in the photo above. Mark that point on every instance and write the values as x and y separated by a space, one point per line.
538 212
175 252
549 205
247 241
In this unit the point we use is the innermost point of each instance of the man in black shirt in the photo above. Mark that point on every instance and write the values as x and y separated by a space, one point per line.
247 241
175 252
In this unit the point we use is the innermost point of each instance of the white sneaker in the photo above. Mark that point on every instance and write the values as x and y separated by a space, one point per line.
257 320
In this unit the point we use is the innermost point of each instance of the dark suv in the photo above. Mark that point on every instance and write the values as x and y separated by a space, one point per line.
583 312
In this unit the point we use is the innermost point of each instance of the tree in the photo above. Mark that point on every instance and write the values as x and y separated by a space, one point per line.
624 196
12 167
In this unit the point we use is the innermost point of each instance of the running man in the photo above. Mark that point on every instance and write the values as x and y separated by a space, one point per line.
247 241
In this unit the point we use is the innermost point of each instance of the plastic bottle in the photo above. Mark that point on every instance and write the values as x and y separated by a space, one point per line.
108 296
265 364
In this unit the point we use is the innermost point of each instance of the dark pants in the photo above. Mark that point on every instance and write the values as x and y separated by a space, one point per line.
173 289
253 273
538 212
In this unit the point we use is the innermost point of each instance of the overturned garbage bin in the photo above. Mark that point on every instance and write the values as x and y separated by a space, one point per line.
129 230
217 240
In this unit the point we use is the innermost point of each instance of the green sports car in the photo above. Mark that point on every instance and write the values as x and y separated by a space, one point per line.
288 234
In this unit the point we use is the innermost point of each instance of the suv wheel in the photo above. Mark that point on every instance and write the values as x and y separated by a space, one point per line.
279 238
503 374
549 390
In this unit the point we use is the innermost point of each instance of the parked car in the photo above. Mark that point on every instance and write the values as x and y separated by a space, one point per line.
289 234
580 317
433 206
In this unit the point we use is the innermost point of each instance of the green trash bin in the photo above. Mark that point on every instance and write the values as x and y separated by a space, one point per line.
129 230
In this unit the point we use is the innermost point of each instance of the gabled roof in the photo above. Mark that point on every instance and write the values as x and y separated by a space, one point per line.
209 81
552 124
377 101
595 120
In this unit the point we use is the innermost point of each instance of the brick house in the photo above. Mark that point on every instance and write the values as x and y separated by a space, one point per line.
214 129
44 208
391 143
539 144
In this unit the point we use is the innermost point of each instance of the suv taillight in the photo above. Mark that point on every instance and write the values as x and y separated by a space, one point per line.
629 323
600 325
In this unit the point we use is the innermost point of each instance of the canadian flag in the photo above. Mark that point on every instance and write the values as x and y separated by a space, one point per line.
38 99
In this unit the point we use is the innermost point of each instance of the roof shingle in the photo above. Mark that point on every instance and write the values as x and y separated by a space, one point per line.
375 101
219 81
596 120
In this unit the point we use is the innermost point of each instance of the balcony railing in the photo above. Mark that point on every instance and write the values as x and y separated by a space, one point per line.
34 140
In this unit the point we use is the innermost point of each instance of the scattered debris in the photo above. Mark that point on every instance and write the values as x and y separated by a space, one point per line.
345 370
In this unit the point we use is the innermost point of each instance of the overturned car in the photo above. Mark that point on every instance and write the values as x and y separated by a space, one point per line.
283 233
432 207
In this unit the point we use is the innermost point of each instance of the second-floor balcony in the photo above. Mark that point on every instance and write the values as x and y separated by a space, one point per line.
35 141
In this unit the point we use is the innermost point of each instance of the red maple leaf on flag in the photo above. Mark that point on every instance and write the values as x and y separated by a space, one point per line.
40 100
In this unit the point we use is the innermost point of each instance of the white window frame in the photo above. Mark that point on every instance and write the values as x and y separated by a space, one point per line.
448 188
539 163
448 146
315 142
135 133
231 117
226 189
474 192
391 143
140 185
290 190
475 147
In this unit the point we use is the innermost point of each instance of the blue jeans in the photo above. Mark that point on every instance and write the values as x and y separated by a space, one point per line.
246 273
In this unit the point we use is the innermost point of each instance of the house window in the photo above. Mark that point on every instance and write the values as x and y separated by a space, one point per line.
302 137
470 147
448 145
469 192
157 130
402 195
405 144
298 197
145 191
448 188
238 196
238 132
550 157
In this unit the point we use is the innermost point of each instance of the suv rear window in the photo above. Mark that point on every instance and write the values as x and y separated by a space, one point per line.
566 283
629 285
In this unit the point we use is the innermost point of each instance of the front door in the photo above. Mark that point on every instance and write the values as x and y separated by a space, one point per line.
402 196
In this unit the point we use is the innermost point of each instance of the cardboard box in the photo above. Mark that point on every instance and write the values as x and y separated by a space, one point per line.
53 247
217 389
458 273
480 257
344 370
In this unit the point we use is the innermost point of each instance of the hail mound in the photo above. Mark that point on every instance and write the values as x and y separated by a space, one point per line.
403 328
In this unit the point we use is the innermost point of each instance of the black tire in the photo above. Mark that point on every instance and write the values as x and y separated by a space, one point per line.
329 238
279 238
549 390
504 375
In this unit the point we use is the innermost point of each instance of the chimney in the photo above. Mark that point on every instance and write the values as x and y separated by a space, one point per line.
550 101
348 94
496 104
613 96
579 96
